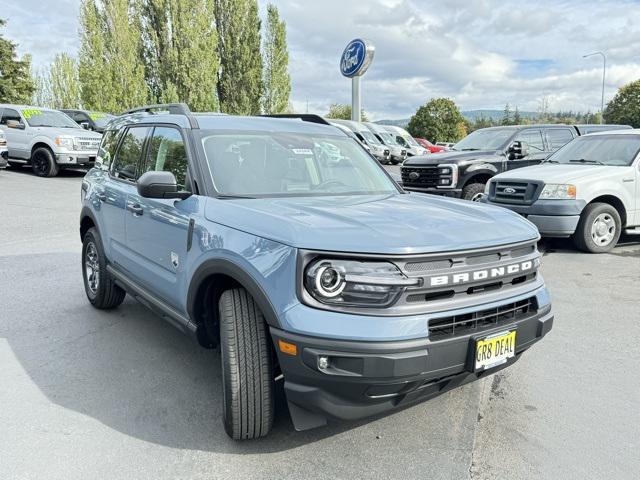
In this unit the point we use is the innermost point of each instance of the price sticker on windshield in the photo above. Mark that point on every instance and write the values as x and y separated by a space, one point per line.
30 112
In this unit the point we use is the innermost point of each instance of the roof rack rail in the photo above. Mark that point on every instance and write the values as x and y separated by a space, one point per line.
305 117
172 108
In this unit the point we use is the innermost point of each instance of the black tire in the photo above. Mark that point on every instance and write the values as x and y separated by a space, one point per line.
43 163
589 241
473 191
247 372
104 294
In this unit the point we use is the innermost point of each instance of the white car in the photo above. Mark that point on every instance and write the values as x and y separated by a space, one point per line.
589 189
4 153
404 139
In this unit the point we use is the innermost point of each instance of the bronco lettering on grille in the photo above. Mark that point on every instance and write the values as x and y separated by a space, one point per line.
478 275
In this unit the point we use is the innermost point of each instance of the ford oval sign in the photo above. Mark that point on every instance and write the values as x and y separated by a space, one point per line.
356 58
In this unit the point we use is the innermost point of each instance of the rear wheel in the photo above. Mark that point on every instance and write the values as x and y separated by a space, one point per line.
599 228
43 163
473 191
100 287
247 372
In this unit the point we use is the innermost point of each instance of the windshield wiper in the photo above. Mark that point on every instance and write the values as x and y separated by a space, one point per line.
584 160
469 149
231 197
550 161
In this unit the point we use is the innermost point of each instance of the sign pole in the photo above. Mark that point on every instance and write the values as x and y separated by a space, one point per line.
356 101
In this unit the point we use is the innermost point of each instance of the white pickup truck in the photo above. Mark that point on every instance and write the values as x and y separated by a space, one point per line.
589 189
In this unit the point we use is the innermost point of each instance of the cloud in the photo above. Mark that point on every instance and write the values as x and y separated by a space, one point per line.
481 53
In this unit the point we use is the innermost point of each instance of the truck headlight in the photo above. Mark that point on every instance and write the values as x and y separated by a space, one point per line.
553 191
356 283
487 187
447 175
65 142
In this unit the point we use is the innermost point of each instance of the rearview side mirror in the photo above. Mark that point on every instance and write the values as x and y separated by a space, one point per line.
15 124
85 125
518 149
161 185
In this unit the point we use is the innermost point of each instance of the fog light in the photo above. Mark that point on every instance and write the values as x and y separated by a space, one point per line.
323 362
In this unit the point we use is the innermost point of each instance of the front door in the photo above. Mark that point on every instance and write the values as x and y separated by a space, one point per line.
537 152
157 229
17 139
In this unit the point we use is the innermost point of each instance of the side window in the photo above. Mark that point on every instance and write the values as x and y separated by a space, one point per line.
10 114
79 117
558 137
125 165
533 139
167 153
107 148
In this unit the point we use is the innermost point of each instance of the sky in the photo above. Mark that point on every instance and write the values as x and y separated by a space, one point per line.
480 53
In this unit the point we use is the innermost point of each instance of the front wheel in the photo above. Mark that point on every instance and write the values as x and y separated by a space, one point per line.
43 163
100 287
247 372
473 192
599 228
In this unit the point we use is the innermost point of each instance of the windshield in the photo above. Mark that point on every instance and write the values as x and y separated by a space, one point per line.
410 140
485 139
389 138
614 150
101 119
291 164
370 137
47 118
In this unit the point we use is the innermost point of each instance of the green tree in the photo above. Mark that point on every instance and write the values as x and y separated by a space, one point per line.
277 82
624 109
506 115
343 111
110 67
240 84
439 120
180 51
16 84
517 119
42 88
64 83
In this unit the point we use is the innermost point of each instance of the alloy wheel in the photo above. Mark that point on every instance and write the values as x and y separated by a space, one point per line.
92 268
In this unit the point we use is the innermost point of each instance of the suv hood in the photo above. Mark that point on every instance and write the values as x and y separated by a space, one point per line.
384 224
452 157
557 173
68 132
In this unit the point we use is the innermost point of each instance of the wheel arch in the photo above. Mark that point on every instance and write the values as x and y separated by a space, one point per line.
615 202
87 221
40 144
208 282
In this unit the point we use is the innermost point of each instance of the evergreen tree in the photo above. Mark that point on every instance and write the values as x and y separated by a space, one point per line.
16 84
624 109
240 84
277 82
506 116
110 67
181 51
517 119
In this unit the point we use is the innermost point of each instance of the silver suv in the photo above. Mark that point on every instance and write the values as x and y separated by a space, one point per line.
46 139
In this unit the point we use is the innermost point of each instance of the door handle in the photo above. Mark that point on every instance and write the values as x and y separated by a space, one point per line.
135 208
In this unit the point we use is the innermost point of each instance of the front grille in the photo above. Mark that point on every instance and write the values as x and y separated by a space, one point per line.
426 176
512 192
469 323
88 143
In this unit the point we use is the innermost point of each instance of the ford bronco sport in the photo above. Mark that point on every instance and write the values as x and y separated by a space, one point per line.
315 272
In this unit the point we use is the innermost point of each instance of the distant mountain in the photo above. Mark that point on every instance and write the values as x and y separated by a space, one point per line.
471 115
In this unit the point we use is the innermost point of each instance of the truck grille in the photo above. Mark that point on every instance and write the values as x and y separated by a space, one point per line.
88 143
512 192
420 177
481 320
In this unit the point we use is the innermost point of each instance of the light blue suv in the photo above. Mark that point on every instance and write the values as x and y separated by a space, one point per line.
309 270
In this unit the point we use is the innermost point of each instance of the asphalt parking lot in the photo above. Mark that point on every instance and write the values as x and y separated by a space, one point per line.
123 395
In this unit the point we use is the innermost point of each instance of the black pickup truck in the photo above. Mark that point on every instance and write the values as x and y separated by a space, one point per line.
464 171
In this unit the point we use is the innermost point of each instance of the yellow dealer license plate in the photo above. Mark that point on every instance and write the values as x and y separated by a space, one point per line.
495 350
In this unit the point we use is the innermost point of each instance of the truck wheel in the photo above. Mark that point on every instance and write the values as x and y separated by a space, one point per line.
473 191
44 163
100 287
599 228
247 379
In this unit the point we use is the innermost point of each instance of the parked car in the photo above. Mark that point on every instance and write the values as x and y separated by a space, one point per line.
598 127
404 139
324 273
589 189
446 145
430 146
380 151
4 153
90 120
397 151
46 139
464 171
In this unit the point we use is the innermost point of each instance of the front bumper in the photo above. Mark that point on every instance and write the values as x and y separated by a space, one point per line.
85 159
370 378
445 192
4 156
554 218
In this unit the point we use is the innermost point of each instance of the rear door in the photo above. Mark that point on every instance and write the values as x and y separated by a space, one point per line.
157 229
123 174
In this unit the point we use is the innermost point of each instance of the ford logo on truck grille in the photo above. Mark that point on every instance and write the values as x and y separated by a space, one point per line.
414 175
509 191
479 275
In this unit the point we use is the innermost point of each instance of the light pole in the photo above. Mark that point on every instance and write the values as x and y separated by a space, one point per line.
604 72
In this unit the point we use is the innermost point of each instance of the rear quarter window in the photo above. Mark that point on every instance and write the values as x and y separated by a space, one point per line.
107 148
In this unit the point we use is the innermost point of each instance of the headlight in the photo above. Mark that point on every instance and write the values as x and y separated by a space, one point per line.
487 187
356 284
66 142
447 175
554 191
